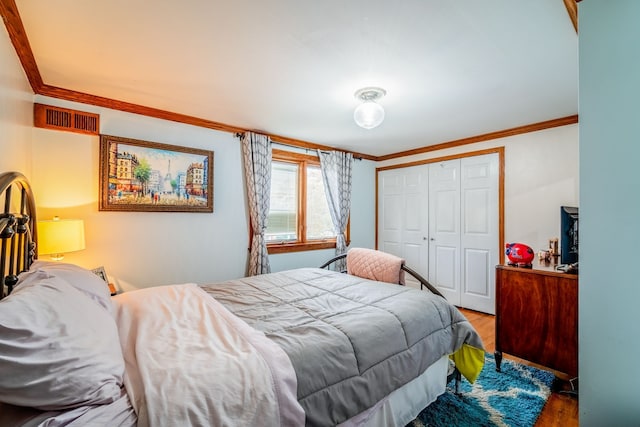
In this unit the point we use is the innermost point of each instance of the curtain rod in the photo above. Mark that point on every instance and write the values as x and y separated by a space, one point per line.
307 150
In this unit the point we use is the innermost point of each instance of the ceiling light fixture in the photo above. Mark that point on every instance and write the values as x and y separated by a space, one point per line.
369 114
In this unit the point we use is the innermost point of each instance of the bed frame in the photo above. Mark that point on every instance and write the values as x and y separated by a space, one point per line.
424 283
17 229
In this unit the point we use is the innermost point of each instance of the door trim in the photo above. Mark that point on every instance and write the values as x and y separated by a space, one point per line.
499 150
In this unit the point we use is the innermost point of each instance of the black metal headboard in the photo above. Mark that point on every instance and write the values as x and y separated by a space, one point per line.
17 229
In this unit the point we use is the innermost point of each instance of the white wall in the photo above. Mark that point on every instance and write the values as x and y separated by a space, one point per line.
610 213
16 110
140 249
145 249
541 170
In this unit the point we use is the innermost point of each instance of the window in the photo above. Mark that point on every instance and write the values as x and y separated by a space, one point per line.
283 212
299 218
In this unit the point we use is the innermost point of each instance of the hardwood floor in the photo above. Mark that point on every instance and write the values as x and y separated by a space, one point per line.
561 409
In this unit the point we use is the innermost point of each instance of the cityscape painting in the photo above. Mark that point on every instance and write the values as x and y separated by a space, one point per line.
149 176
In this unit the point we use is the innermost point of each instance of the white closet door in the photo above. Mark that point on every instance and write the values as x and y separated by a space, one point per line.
479 231
390 202
444 228
443 219
403 216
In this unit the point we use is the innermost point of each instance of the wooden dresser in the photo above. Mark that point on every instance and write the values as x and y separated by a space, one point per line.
537 316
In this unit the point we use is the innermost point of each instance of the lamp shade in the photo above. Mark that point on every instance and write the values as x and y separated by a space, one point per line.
368 115
59 236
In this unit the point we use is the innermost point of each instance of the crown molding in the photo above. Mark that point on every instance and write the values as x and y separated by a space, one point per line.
563 121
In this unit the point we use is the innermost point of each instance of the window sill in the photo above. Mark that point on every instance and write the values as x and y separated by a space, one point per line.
282 248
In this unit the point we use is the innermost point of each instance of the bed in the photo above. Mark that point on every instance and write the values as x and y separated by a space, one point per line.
308 346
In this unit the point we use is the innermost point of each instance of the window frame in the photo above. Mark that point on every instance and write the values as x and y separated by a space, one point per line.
302 244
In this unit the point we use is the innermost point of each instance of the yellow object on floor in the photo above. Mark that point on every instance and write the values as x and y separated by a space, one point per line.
469 360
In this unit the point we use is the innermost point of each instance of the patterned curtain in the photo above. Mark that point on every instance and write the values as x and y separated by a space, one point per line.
256 153
336 174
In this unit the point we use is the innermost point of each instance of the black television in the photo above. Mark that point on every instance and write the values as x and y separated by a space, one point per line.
568 235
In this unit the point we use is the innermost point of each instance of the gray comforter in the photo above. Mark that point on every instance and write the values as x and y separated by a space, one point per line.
351 341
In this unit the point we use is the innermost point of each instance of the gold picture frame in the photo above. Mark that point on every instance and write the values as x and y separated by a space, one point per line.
149 176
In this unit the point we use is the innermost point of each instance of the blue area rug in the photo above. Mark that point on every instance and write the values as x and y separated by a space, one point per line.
513 397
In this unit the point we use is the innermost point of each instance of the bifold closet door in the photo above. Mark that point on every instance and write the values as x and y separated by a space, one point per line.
463 230
403 215
444 228
442 218
479 231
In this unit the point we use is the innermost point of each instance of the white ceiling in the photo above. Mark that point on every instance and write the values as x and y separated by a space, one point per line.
451 69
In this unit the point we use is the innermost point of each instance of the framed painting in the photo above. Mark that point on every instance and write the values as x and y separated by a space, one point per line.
150 176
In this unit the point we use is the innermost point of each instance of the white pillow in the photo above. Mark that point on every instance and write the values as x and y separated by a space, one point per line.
80 278
57 350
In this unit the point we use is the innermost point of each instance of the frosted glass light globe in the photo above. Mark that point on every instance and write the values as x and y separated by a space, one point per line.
369 114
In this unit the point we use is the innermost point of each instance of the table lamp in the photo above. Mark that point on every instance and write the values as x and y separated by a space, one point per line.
59 236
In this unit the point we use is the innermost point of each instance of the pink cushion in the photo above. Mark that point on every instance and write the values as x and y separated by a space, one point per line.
375 265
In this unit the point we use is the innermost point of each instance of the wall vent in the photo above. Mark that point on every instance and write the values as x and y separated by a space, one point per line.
49 117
